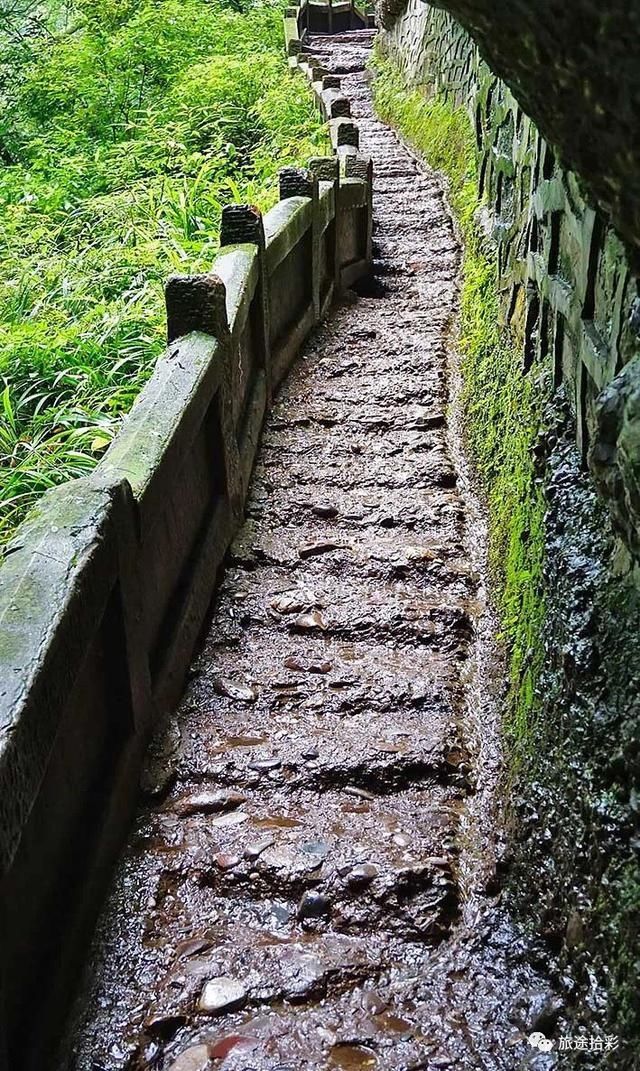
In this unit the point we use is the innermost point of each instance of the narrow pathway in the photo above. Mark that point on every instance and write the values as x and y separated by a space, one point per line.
299 892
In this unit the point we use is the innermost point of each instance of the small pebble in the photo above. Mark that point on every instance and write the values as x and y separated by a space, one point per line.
208 802
353 790
323 510
227 862
309 622
361 875
320 667
319 848
191 946
195 1058
222 994
264 765
291 602
313 905
233 818
235 690
257 847
309 550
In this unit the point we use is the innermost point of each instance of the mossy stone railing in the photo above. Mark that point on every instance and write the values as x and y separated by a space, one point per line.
106 585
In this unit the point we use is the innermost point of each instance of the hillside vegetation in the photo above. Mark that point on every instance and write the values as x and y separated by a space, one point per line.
125 127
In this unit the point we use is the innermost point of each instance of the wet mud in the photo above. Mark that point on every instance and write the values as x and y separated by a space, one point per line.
313 879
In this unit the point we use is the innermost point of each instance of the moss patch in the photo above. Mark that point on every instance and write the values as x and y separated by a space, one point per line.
622 912
502 406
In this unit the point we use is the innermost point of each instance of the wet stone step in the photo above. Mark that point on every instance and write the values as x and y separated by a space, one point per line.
352 739
402 619
336 433
396 385
353 418
359 508
366 865
378 552
340 741
412 614
406 471
356 565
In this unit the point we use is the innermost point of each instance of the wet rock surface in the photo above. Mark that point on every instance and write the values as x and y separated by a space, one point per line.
578 815
307 884
587 103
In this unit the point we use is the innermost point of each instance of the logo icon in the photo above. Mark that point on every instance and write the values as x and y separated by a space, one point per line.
538 1041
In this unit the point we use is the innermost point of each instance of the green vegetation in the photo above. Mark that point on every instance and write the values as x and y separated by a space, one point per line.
503 407
619 912
126 125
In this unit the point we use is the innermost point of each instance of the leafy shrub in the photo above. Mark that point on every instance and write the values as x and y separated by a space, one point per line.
126 126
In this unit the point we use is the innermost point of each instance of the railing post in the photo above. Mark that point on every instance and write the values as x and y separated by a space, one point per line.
361 167
243 224
346 133
301 182
199 303
327 169
196 303
324 168
318 73
330 16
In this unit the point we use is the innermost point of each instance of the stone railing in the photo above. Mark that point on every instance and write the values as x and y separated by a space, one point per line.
106 585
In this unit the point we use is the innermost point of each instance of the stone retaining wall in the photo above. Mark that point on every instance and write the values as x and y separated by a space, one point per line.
571 299
568 290
106 585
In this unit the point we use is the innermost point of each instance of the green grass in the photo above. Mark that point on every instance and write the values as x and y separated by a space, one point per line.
126 126
502 406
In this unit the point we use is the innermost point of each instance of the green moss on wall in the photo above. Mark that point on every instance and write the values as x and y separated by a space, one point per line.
502 405
620 910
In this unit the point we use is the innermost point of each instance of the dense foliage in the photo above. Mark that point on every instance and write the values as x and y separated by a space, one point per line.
125 126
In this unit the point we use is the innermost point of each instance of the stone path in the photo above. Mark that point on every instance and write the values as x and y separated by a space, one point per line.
309 885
